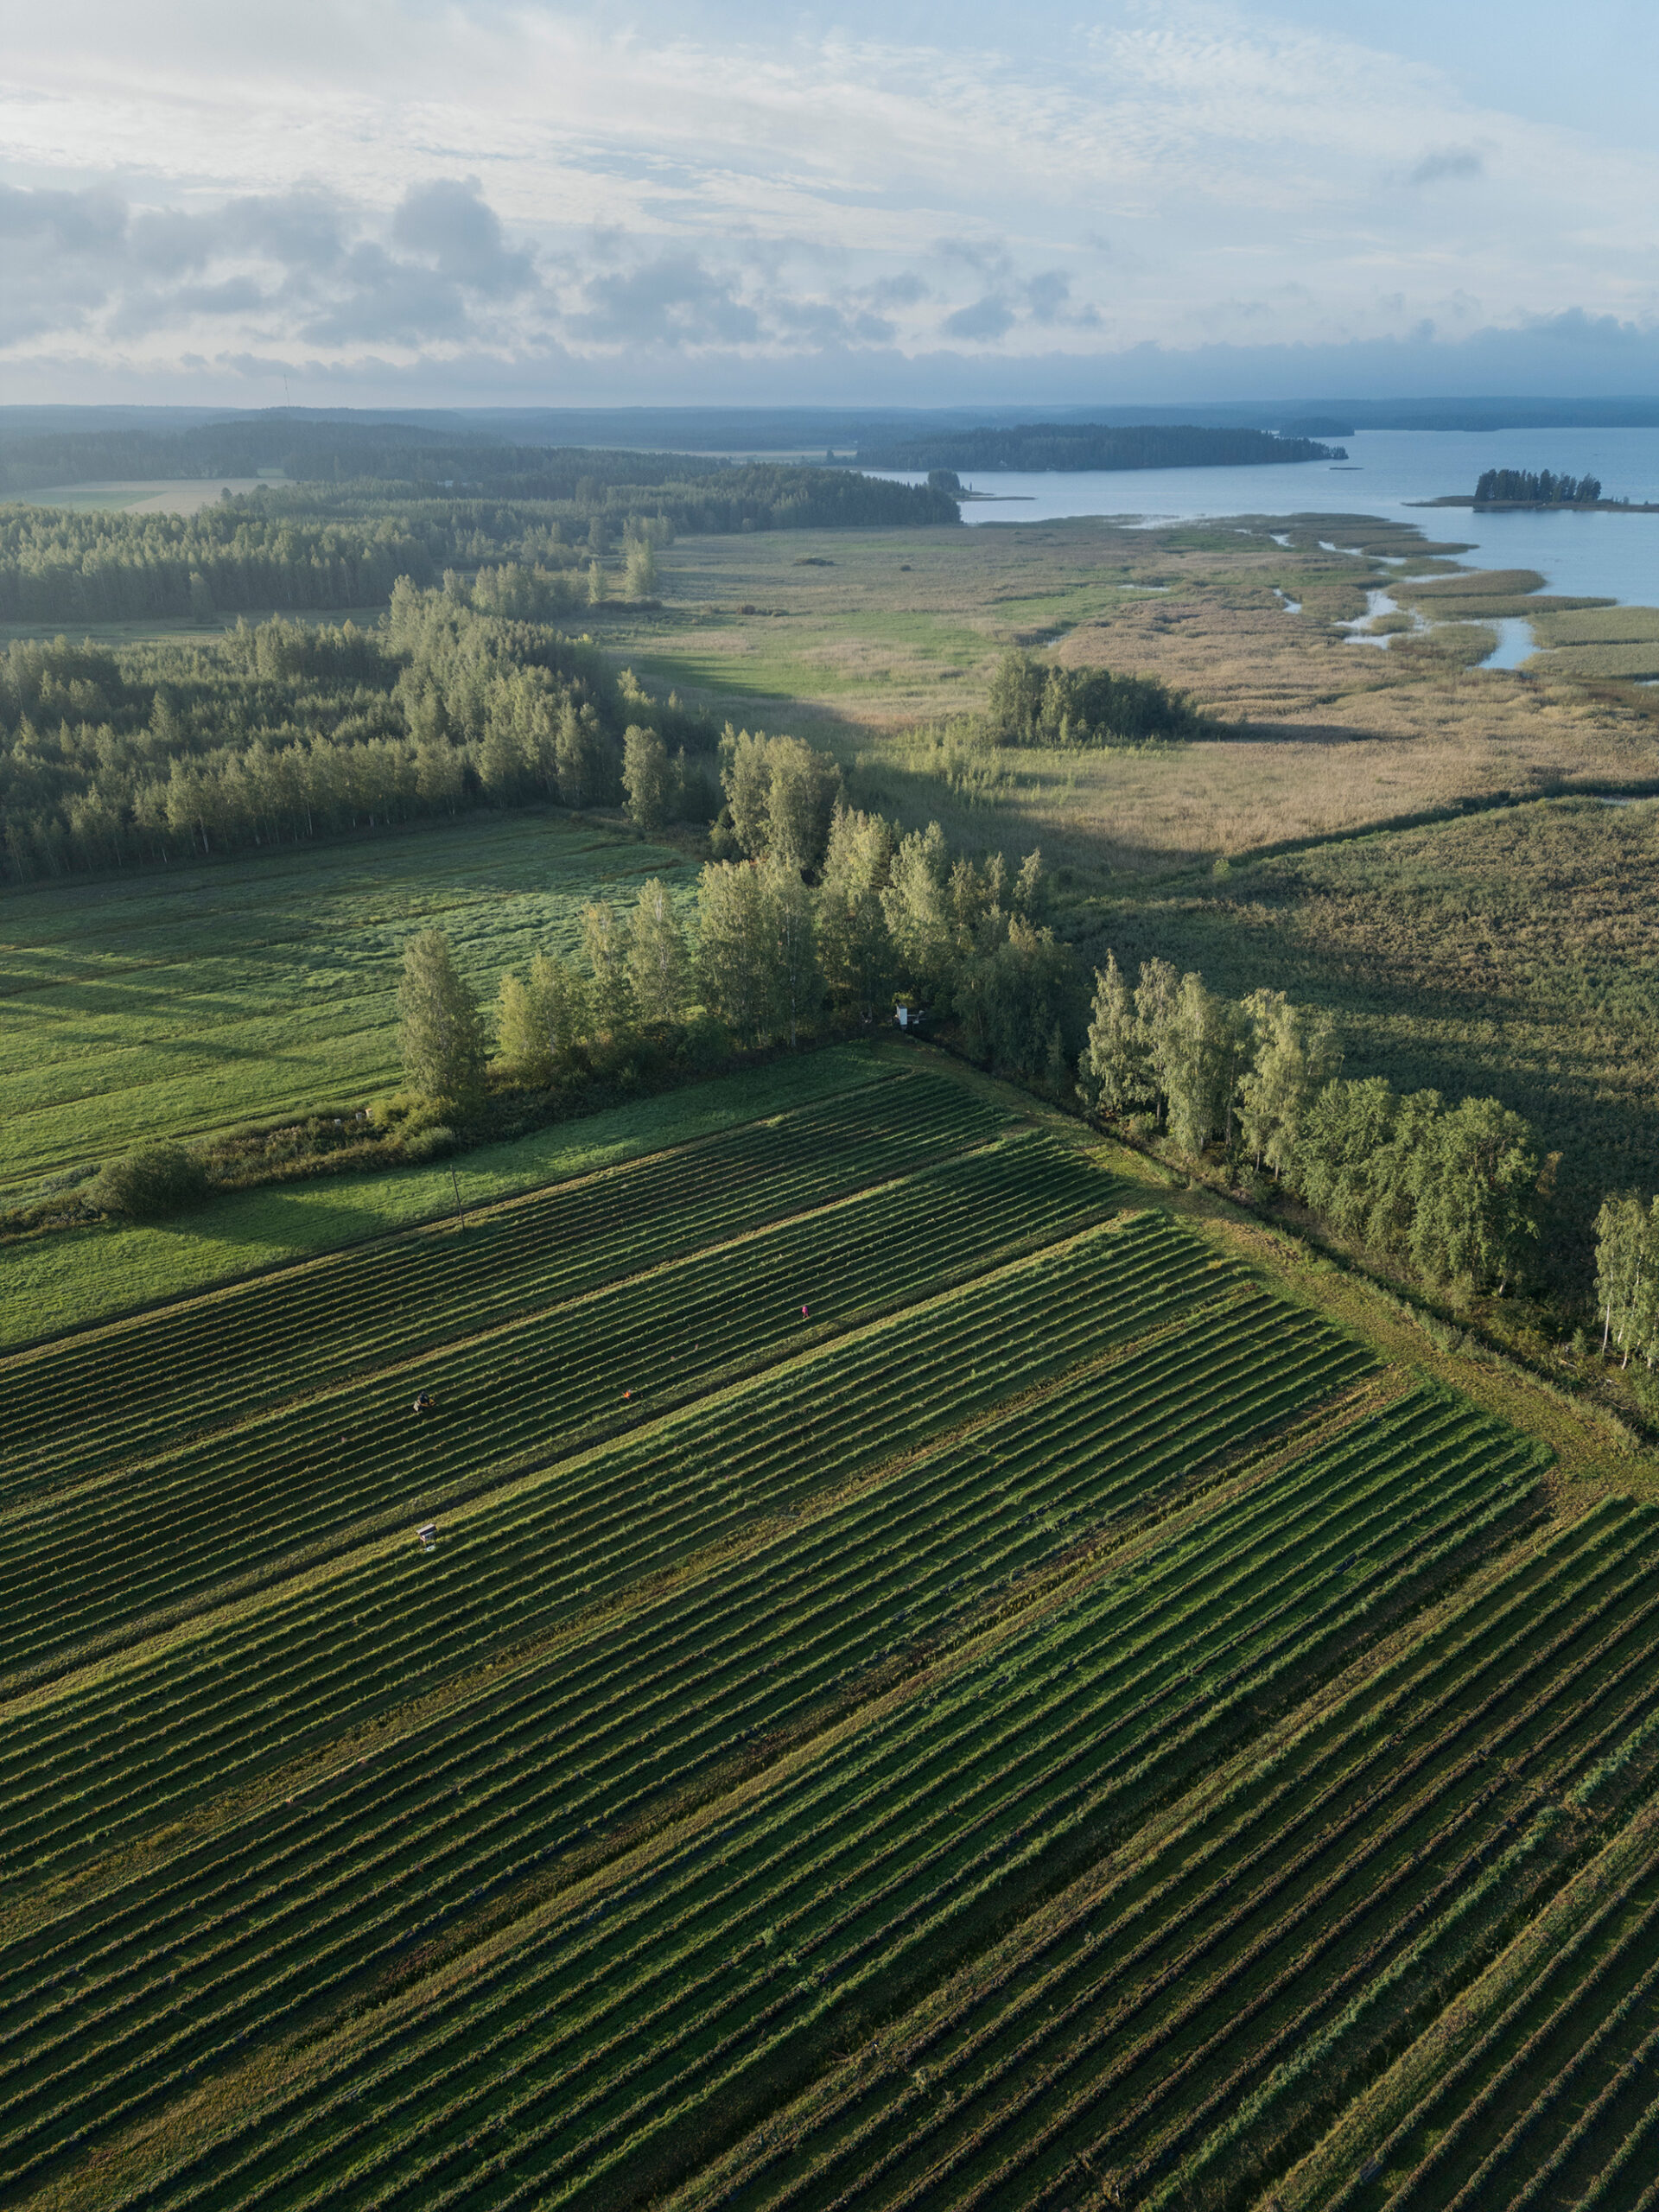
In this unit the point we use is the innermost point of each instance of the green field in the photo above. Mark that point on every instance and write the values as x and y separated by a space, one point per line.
942 1679
183 1002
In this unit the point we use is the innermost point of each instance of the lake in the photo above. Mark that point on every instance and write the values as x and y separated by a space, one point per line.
1604 556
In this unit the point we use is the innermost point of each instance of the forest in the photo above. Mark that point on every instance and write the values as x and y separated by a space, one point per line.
1096 445
142 754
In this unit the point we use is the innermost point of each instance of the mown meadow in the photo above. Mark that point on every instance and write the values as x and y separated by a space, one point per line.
182 1003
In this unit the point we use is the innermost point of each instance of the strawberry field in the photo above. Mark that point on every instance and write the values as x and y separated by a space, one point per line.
937 1683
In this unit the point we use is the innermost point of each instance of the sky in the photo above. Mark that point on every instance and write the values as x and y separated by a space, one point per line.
470 202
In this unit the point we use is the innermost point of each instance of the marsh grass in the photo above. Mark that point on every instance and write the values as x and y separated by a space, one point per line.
1632 661
1595 625
904 631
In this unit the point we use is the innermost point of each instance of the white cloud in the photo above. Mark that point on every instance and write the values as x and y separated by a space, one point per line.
416 181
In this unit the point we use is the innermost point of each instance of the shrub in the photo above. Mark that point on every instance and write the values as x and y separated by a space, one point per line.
150 1182
432 1143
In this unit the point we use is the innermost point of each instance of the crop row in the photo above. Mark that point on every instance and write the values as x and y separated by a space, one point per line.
1491 2126
318 1895
690 1992
242 1500
82 1402
1138 2021
82 1767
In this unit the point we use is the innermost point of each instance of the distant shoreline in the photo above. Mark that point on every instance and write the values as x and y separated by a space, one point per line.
1541 506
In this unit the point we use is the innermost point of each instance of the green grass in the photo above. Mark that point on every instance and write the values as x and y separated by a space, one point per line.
181 1002
1639 663
73 1278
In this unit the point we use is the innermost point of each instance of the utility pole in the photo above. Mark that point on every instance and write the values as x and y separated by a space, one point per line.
460 1215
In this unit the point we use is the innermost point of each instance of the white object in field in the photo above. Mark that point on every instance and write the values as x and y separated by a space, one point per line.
428 1535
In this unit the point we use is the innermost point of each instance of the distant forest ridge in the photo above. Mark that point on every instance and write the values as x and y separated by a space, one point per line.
1096 445
418 460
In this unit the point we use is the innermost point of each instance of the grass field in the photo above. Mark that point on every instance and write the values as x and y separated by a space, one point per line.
1058 1719
178 1003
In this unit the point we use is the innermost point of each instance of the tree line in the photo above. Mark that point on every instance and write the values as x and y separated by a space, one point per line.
1094 445
1451 1191
1538 487
829 918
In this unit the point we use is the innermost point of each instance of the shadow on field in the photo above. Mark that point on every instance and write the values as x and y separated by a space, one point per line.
266 1218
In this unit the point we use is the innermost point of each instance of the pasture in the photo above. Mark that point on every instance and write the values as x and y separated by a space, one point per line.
181 1003
944 1677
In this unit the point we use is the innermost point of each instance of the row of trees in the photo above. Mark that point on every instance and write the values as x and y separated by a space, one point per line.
1537 486
1451 1191
759 955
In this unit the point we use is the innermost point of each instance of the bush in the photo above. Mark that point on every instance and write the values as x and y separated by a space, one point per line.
708 1044
150 1182
432 1143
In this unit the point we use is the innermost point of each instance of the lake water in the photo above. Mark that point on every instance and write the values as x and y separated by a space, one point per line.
1605 556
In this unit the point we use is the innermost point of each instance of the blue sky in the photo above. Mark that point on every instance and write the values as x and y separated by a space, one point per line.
386 200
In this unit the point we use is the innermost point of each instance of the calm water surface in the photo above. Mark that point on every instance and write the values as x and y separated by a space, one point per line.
1605 556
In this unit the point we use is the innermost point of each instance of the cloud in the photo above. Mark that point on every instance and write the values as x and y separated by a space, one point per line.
484 181
302 265
1449 161
672 301
983 322
450 224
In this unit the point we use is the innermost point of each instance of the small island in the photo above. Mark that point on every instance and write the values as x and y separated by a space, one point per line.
1525 488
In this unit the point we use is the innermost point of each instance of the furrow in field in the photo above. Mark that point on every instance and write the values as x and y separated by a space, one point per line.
83 1571
941 1558
683 2000
82 1402
1072 2033
374 1631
